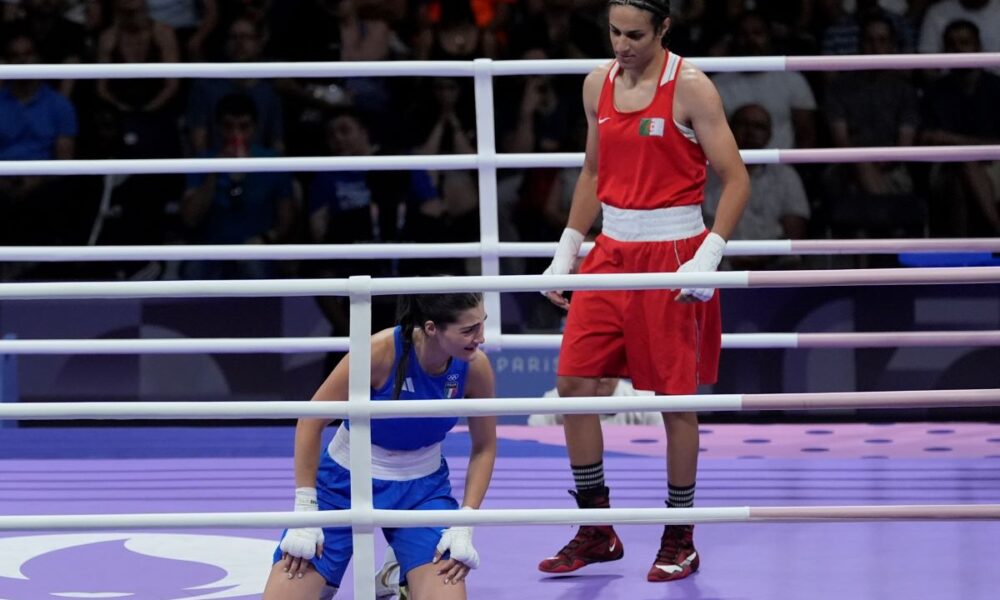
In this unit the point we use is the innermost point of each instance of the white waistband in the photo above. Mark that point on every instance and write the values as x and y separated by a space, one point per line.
655 225
391 465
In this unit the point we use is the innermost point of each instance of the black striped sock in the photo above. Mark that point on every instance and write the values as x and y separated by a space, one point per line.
588 477
680 497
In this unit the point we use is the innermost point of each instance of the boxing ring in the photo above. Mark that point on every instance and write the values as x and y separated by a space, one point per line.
885 521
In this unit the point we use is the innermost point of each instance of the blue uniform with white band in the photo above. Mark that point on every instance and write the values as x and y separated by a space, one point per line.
410 434
408 470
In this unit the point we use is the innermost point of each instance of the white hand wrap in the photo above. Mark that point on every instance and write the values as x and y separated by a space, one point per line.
566 253
705 260
301 542
457 541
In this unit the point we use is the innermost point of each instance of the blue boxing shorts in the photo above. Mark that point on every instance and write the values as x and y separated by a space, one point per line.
414 546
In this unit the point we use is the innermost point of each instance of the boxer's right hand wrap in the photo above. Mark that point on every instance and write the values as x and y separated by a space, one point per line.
301 542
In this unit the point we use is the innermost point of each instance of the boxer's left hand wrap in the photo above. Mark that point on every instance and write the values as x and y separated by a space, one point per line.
457 541
705 260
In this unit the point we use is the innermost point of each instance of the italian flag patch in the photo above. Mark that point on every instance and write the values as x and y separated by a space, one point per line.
648 127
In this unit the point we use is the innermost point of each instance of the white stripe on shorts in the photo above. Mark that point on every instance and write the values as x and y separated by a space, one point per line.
390 465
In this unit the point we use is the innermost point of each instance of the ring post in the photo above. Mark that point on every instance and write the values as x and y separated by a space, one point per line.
359 408
489 231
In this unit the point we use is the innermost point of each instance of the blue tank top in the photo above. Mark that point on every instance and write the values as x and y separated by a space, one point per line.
410 434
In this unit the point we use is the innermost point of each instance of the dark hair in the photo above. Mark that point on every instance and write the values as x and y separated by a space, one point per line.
414 310
962 24
245 19
348 112
17 32
876 19
659 8
658 11
236 105
751 15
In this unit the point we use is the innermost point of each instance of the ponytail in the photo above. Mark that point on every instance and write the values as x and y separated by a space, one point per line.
406 316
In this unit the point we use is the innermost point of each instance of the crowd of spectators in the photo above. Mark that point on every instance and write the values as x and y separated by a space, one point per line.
158 118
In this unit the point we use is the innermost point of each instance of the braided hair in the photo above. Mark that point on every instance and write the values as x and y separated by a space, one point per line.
413 310
657 9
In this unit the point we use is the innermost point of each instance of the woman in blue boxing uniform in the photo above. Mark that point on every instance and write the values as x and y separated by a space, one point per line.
432 354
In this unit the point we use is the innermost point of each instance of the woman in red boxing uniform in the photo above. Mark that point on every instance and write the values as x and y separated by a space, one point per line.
653 122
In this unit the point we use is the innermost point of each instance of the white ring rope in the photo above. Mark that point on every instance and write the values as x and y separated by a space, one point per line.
404 251
487 517
390 286
250 252
81 290
291 345
787 156
470 162
384 409
468 68
742 247
180 166
734 341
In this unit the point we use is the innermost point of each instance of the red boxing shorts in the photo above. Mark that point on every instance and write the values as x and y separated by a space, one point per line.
662 345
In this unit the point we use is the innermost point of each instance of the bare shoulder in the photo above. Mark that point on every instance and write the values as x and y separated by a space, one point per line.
383 355
594 82
480 363
693 81
480 366
481 380
696 92
598 75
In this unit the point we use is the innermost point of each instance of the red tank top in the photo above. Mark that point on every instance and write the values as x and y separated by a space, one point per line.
645 161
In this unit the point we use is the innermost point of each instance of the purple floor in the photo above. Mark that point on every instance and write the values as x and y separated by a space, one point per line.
828 561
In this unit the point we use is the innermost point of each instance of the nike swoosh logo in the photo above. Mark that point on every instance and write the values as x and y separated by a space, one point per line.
599 121
671 569
614 543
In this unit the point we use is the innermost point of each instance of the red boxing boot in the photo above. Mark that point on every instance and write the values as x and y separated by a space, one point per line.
592 544
677 557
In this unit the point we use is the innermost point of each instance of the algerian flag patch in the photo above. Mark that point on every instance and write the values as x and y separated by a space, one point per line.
648 127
